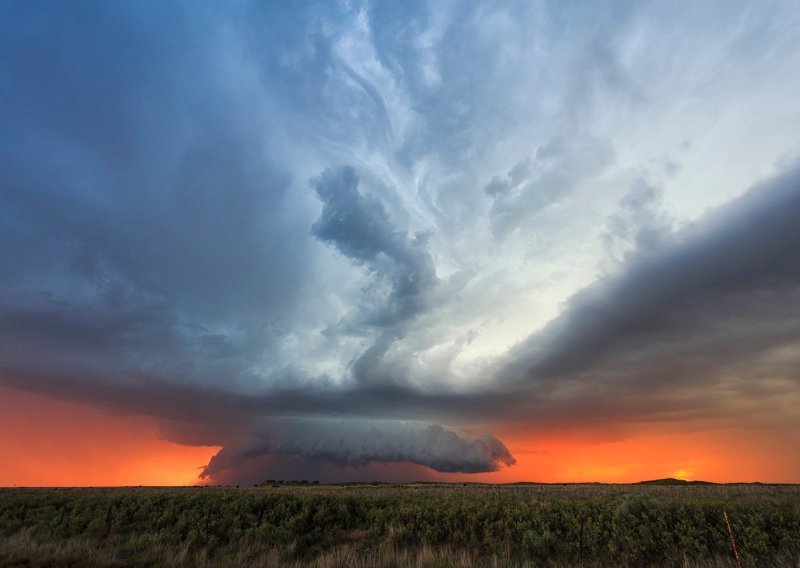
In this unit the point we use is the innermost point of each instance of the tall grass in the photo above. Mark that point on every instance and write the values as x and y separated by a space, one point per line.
412 525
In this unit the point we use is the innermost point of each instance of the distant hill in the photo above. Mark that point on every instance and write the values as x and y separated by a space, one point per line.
673 481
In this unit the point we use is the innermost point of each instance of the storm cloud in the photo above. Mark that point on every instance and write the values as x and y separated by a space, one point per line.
355 444
359 227
728 282
702 325
343 238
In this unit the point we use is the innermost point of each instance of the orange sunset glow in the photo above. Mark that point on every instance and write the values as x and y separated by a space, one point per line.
50 442
719 456
53 443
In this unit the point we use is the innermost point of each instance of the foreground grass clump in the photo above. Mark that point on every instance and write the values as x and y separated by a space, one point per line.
400 525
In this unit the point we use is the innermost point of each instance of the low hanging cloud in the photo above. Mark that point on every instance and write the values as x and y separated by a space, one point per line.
357 443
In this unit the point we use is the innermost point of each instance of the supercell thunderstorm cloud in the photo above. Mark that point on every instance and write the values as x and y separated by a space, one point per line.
414 240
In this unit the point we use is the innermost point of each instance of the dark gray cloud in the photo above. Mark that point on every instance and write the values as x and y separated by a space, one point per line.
692 322
359 227
142 224
403 271
355 444
288 468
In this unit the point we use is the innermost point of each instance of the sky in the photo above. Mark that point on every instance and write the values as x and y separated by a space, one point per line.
370 240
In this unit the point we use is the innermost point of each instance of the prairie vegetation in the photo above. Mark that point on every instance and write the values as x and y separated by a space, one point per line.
401 525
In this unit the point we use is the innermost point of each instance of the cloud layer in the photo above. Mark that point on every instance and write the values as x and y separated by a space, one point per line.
357 443
338 238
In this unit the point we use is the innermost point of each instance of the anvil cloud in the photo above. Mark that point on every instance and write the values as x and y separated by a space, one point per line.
349 237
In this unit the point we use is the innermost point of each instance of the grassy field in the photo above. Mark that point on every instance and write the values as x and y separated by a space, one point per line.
401 525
